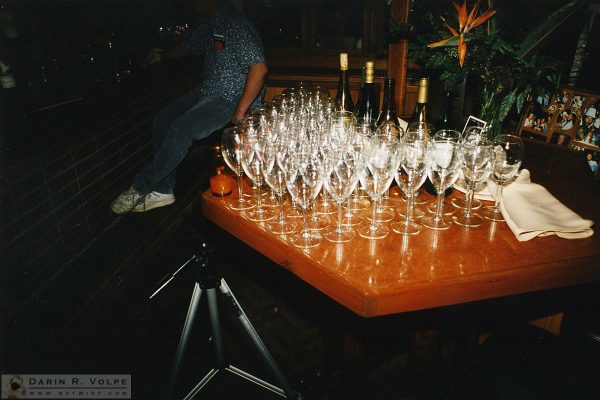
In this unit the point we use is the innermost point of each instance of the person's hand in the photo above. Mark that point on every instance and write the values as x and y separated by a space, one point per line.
153 57
237 117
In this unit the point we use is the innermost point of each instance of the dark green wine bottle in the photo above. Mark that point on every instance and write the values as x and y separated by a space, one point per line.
368 104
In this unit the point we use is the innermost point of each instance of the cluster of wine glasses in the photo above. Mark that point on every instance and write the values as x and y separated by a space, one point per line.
334 167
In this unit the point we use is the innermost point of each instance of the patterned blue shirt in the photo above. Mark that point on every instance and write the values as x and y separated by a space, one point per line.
229 45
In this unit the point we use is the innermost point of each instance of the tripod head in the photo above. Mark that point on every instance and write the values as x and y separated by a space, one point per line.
206 275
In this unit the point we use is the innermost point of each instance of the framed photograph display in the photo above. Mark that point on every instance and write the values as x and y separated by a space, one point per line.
570 118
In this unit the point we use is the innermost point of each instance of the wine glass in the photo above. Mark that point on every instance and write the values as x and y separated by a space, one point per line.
252 163
275 178
303 180
381 158
471 133
359 200
443 170
476 163
389 128
410 174
231 147
340 180
508 155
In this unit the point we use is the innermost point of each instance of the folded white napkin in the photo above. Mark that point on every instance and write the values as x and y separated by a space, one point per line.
530 211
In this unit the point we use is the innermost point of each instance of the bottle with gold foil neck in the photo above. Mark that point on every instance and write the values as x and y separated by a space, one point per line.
420 111
343 92
368 105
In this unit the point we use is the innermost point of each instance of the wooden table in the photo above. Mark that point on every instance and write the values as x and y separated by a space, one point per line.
439 268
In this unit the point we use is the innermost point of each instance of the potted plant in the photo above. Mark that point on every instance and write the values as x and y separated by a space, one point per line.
466 44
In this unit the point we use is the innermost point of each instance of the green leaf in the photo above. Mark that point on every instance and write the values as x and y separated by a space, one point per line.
507 103
521 100
552 22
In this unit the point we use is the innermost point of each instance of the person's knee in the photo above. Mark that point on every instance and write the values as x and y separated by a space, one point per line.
161 121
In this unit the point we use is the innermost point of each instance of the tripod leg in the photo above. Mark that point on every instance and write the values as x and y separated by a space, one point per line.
185 334
241 315
213 311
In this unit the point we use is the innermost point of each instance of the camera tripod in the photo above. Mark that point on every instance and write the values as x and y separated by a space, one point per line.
207 279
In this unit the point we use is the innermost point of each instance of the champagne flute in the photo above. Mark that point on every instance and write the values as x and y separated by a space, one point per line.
231 147
391 129
275 178
340 180
359 200
508 152
252 164
472 133
381 160
410 175
303 180
476 163
442 172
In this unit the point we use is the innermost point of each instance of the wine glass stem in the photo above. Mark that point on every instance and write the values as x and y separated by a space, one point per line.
349 208
438 204
281 213
258 197
305 221
498 197
240 189
374 212
469 200
340 212
410 199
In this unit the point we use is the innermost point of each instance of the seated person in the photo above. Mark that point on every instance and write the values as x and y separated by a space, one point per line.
234 75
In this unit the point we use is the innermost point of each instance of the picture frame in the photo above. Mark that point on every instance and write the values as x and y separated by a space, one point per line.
568 119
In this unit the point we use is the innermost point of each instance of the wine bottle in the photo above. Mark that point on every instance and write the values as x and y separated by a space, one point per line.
368 106
420 112
388 108
444 121
343 92
362 85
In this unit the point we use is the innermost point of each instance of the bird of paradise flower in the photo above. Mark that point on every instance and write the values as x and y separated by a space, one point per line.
465 24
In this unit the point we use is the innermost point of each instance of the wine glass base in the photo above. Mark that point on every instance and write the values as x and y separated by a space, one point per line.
405 228
446 210
419 199
417 212
318 222
492 213
439 225
374 231
389 203
306 240
259 215
470 222
282 228
358 204
325 208
240 204
352 220
270 202
459 202
293 213
339 236
382 216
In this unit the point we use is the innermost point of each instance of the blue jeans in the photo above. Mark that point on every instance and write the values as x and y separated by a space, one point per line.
191 117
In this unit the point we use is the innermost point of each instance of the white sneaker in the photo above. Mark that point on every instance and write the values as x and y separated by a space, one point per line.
126 201
154 200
